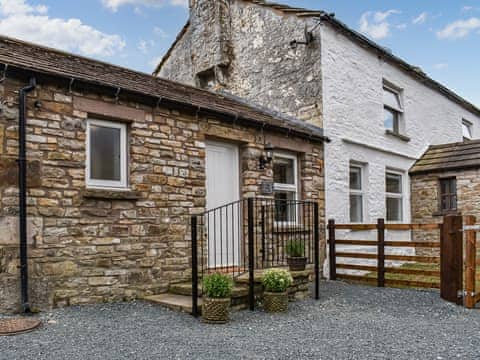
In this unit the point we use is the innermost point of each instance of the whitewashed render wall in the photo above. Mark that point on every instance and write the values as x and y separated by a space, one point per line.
353 119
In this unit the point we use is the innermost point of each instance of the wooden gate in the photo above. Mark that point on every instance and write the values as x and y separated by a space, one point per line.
434 264
472 264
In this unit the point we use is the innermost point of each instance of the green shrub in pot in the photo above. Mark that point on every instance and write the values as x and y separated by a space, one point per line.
296 259
217 292
276 282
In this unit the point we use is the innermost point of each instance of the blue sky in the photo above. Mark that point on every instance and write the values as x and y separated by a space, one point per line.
442 37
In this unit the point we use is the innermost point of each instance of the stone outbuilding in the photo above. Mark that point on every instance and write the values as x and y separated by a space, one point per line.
446 180
117 164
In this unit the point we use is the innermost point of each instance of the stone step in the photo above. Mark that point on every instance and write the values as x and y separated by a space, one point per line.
244 279
186 290
174 302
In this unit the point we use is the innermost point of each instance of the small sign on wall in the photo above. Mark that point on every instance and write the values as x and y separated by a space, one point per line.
267 188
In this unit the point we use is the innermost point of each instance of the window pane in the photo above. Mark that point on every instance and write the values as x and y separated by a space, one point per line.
394 183
391 99
105 149
283 171
390 119
448 194
453 202
444 187
355 178
467 130
394 209
285 207
356 208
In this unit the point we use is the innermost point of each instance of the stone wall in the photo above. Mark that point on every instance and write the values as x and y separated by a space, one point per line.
256 62
89 246
425 193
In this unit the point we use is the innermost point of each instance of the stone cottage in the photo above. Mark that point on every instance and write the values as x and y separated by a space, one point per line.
446 180
380 112
117 164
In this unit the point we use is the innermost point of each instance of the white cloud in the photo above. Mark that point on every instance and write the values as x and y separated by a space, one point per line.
115 4
145 45
459 29
467 8
21 20
160 32
440 66
17 7
401 26
375 24
420 19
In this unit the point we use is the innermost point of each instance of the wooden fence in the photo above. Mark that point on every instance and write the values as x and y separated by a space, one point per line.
442 269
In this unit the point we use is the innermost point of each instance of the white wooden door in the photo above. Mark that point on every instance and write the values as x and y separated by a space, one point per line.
222 165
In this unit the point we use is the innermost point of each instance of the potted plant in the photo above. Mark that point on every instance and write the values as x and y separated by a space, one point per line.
296 255
217 291
276 282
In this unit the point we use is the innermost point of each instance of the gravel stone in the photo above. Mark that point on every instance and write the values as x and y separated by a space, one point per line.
349 322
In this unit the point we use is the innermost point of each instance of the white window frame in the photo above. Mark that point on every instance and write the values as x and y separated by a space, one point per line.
398 126
400 196
467 124
288 187
360 192
107 184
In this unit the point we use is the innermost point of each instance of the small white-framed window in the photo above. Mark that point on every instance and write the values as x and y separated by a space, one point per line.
356 193
285 178
467 130
106 147
394 196
392 109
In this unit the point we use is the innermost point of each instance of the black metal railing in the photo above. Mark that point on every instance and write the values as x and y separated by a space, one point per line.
252 234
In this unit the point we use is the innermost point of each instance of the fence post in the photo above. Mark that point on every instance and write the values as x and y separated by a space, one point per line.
317 250
194 266
470 259
331 250
381 253
451 259
251 255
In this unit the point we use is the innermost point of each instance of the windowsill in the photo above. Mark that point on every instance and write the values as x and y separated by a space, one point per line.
111 194
445 213
397 135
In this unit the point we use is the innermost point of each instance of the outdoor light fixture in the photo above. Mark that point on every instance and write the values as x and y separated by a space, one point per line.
308 40
267 157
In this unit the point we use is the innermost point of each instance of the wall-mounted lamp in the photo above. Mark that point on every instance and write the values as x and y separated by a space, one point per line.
267 156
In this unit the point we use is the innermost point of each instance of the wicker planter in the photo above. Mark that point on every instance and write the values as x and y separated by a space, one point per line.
216 311
275 302
297 263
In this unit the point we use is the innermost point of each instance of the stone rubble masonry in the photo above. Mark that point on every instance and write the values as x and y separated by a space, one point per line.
88 246
425 198
245 48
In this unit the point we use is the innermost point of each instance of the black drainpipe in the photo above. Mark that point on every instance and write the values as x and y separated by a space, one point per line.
22 185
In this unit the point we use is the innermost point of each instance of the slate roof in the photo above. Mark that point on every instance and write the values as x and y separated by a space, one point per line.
36 59
362 40
449 157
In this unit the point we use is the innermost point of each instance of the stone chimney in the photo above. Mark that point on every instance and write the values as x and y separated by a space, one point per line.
211 37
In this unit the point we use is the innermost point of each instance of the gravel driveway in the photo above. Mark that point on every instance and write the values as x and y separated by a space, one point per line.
349 322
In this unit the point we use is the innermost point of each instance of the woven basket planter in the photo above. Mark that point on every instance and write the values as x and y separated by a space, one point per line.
275 302
297 263
216 311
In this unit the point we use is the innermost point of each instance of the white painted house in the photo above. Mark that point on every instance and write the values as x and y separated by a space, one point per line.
380 113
